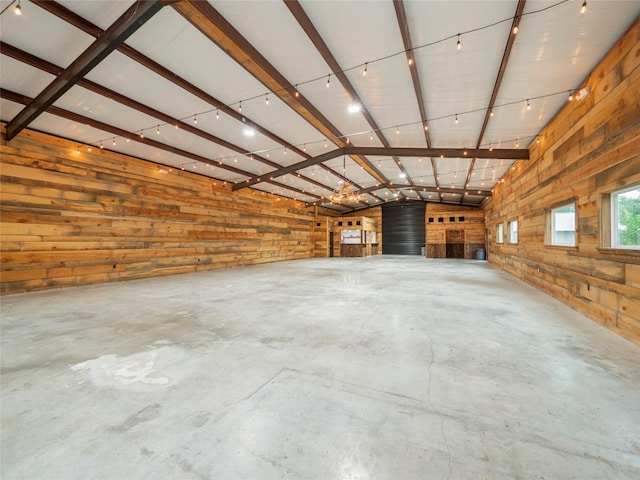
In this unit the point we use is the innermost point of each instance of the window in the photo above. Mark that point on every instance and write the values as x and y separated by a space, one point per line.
561 226
500 233
513 231
625 218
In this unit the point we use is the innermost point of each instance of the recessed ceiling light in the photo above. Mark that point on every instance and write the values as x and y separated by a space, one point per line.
249 132
403 175
354 108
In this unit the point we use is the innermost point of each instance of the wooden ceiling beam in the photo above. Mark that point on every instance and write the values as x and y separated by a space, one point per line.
496 87
216 28
115 35
119 132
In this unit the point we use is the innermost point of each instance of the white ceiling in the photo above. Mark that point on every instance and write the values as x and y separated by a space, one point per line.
554 50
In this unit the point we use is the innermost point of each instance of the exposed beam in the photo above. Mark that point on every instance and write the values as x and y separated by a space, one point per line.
216 28
77 21
401 15
496 87
116 34
43 65
119 132
309 28
416 188
497 153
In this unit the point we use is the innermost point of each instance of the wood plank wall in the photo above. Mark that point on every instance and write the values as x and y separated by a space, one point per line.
589 149
75 219
441 219
375 214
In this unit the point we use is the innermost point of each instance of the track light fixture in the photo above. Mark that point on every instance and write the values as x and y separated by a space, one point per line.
297 92
584 7
217 114
141 133
456 120
17 9
266 99
158 130
328 80
458 45
195 119
240 107
364 72
528 105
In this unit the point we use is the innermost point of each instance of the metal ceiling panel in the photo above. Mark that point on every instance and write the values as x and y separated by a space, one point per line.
22 78
458 81
63 42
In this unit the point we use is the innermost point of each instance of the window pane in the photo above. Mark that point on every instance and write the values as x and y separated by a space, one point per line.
626 218
513 231
563 225
500 233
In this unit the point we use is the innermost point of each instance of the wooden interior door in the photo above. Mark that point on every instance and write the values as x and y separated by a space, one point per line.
455 243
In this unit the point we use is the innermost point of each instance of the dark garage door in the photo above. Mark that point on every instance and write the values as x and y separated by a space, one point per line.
403 228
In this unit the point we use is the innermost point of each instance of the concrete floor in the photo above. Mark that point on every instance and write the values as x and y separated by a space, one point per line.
381 368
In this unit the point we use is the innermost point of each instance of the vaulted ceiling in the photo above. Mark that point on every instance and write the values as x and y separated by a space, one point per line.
423 100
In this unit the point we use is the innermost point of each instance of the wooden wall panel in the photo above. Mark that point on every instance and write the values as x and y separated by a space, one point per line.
443 220
375 214
589 149
73 218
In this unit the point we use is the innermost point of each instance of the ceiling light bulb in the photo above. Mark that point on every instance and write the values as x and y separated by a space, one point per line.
570 95
18 9
217 114
397 130
328 80
101 145
515 29
426 127
195 119
297 92
113 142
364 72
325 144
240 107
158 130
456 119
491 113
410 60
285 150
459 45
141 134
528 105
266 99
371 136
354 108
517 143
584 7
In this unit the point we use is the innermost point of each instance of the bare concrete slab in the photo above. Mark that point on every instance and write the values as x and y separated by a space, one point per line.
382 367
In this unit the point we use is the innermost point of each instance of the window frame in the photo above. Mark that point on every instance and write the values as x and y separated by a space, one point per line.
500 233
550 224
610 218
510 232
